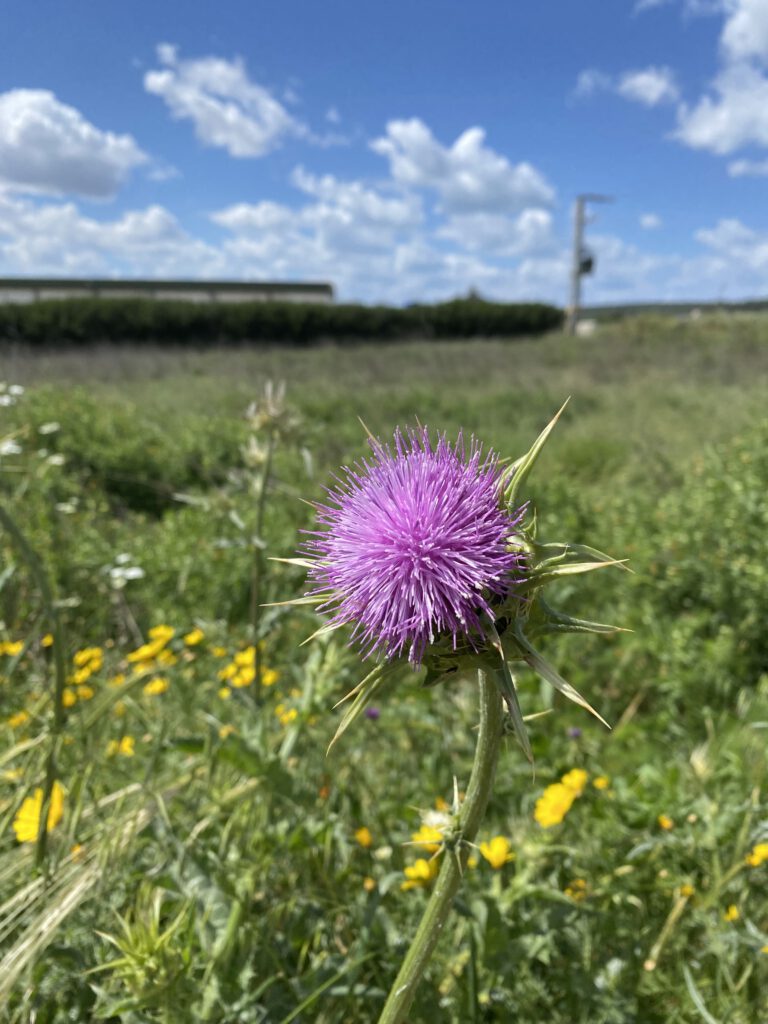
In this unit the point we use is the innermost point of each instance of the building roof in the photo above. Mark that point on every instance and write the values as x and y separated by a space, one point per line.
119 284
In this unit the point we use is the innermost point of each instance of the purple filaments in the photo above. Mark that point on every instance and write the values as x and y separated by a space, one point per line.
414 545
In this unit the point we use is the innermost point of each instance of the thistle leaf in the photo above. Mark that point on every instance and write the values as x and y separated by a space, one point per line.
552 676
508 690
581 549
518 472
365 694
558 622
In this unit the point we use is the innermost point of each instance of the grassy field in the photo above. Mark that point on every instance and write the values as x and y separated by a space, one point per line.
206 861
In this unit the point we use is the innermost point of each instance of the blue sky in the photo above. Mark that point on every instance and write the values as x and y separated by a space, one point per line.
403 152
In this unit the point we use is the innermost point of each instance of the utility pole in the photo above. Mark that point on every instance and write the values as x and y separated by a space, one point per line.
582 260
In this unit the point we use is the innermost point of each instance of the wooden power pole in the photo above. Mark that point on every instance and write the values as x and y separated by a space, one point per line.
582 260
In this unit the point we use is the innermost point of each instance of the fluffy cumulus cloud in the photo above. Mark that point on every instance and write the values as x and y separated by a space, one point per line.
650 86
469 177
530 232
734 113
47 146
57 239
227 109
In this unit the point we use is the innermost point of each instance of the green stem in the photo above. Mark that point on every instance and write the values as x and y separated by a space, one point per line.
448 881
257 564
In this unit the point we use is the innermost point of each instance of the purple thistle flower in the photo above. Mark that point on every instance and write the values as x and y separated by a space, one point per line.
372 713
414 545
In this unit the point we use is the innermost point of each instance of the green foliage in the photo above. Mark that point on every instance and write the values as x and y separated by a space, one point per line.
218 876
148 321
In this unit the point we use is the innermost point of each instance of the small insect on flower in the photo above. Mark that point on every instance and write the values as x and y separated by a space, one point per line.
414 544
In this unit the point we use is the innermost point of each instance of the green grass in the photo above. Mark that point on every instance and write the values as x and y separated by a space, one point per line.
219 877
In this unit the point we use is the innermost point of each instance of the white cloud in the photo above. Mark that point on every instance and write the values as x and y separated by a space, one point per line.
591 81
748 168
468 176
333 115
736 116
499 236
227 109
650 221
49 147
735 112
745 34
650 86
56 239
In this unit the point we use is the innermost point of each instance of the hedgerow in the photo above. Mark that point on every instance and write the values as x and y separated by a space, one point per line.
62 322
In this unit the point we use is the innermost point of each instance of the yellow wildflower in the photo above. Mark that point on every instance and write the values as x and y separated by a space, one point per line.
47 640
225 731
12 648
156 686
85 692
369 884
119 709
428 838
147 652
575 779
219 652
758 855
124 746
68 697
225 693
364 838
245 659
19 719
577 890
472 861
228 671
286 715
243 677
26 824
77 852
665 822
687 890
167 658
764 949
421 874
553 805
89 657
497 852
194 637
601 782
732 913
269 676
161 633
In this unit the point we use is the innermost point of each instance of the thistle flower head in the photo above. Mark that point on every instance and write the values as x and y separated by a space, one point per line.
414 545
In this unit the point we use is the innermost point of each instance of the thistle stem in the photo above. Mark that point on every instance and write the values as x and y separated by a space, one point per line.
448 881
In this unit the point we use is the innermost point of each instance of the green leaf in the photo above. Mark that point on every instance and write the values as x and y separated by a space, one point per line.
696 997
365 692
552 676
509 694
518 472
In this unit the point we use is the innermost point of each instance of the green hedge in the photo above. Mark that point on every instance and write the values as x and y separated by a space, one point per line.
149 321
